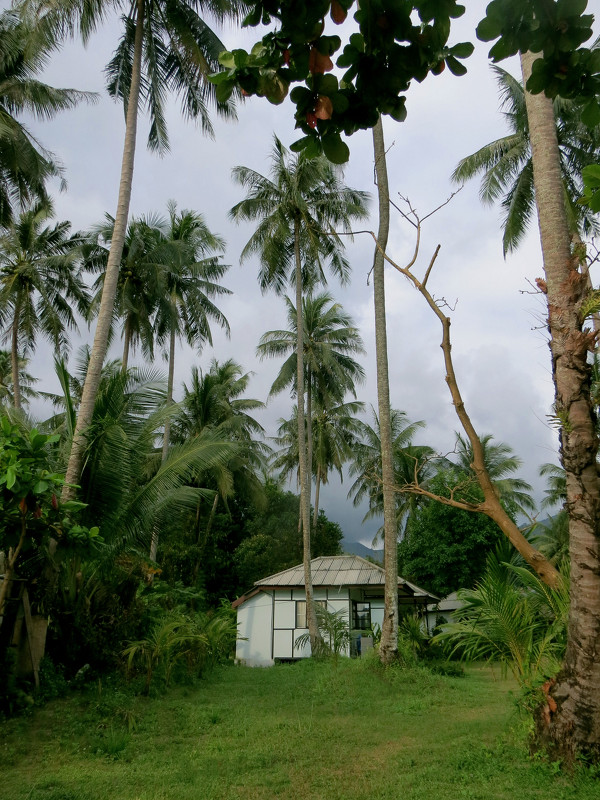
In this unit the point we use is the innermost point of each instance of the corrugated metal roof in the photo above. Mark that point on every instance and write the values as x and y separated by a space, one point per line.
339 571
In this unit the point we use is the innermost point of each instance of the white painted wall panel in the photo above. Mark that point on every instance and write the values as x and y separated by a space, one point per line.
285 614
303 652
255 622
283 644
377 612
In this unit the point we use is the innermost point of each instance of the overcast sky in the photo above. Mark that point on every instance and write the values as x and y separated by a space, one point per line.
499 341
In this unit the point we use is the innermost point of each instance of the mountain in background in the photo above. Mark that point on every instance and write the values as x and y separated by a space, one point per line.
358 549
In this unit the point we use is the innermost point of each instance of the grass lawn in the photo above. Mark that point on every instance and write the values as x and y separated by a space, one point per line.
292 732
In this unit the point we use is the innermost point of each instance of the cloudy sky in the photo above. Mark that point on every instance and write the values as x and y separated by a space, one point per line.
499 342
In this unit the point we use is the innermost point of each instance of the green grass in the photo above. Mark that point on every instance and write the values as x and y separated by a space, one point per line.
290 732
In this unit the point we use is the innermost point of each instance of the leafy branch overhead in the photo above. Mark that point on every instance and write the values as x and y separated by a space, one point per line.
390 50
397 42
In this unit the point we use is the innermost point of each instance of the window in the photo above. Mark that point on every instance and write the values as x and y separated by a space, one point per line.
361 616
301 611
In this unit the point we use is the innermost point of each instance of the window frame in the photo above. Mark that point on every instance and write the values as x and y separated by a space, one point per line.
299 604
358 621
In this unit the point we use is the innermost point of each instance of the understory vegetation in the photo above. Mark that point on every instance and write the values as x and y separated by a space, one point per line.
315 730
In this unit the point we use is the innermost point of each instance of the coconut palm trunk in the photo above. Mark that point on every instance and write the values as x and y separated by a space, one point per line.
317 493
389 630
570 721
126 345
109 291
311 615
167 430
14 357
309 434
170 380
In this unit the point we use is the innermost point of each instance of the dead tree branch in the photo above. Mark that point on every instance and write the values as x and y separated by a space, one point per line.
491 505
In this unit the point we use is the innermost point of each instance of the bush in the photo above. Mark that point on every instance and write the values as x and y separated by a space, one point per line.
195 641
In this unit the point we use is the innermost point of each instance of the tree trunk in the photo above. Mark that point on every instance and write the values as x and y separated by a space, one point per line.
309 436
570 721
317 492
14 357
9 569
126 345
388 649
167 430
311 614
109 290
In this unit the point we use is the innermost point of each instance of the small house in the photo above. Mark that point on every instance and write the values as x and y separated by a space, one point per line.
443 611
273 614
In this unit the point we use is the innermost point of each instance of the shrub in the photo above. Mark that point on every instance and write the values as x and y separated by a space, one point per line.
513 618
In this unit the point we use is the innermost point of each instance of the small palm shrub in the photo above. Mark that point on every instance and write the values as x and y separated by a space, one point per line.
197 641
335 634
513 618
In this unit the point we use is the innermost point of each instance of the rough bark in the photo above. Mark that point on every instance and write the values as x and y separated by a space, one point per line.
570 721
109 290
311 614
14 358
389 631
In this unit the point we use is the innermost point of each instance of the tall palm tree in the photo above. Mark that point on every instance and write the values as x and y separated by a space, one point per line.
39 283
507 167
576 724
24 164
501 464
189 272
299 209
409 461
330 339
26 380
139 286
388 649
165 46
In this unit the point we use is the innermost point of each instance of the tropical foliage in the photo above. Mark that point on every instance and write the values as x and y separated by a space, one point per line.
513 618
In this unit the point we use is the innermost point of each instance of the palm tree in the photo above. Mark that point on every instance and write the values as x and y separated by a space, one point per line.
145 493
189 271
26 380
214 404
299 207
186 310
24 164
38 283
410 462
335 432
165 46
576 725
139 286
329 369
557 485
507 168
388 649
501 464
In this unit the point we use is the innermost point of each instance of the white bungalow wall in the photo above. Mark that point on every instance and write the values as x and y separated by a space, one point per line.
266 622
255 627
